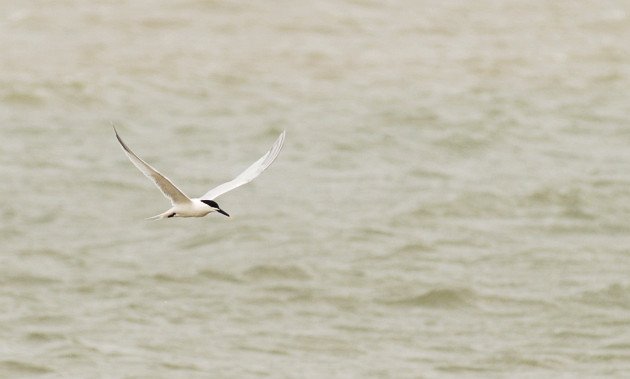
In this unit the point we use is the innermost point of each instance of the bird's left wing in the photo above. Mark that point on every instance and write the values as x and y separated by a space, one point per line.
250 173
174 194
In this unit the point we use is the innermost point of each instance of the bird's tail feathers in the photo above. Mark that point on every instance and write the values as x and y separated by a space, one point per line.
159 217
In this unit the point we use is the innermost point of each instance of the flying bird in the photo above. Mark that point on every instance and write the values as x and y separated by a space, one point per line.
182 205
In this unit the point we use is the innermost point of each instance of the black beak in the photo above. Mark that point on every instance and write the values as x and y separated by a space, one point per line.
223 212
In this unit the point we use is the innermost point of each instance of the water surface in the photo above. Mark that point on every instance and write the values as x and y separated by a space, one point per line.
452 199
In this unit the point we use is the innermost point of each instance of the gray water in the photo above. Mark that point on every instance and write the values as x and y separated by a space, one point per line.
452 200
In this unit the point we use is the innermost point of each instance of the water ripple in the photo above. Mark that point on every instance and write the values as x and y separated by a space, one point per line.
437 298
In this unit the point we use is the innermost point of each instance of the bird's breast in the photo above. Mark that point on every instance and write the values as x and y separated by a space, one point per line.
193 209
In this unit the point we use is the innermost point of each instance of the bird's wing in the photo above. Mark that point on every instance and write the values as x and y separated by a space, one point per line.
250 173
174 194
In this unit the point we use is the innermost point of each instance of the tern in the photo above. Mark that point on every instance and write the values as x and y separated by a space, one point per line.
182 205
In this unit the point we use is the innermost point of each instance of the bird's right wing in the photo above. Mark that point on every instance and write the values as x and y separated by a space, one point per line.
174 194
250 173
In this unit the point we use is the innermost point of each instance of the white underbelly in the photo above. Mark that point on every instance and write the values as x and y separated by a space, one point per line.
192 210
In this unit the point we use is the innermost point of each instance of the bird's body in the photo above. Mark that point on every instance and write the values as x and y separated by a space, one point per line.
193 208
182 205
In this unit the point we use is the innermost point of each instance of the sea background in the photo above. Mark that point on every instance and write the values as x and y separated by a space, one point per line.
453 198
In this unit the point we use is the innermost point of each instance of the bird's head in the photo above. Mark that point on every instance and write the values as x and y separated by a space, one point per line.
215 207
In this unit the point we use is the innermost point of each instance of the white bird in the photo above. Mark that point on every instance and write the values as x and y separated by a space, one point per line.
183 206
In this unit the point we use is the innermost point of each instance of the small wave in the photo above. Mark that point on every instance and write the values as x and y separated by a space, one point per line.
27 279
511 358
613 295
569 202
205 274
181 366
39 337
218 276
618 346
277 272
465 142
22 368
413 248
456 369
265 350
163 277
436 298
18 97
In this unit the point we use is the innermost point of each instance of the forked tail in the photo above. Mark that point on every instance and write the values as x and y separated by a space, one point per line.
166 214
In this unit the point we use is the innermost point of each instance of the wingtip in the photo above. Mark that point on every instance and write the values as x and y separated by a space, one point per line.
282 137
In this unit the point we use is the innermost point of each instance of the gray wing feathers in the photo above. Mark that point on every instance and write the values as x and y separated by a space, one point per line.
250 173
174 194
